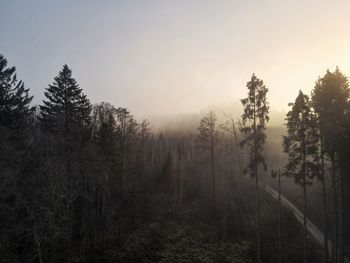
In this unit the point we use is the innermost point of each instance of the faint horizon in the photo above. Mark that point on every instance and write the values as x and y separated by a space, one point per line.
169 58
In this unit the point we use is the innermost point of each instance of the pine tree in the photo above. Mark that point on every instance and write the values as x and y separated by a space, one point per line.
66 110
15 123
330 99
254 120
65 120
301 145
15 109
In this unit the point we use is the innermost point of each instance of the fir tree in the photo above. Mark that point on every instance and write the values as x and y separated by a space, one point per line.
15 119
301 145
254 120
66 109
330 99
15 110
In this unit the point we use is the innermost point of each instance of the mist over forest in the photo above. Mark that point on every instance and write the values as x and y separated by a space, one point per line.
174 131
189 121
85 182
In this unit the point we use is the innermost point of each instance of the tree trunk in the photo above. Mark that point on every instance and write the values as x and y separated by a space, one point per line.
257 214
334 211
121 167
325 225
256 184
237 151
38 245
279 218
342 223
212 178
341 216
305 221
304 187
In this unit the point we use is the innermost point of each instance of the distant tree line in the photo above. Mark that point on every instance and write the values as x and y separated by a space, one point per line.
76 178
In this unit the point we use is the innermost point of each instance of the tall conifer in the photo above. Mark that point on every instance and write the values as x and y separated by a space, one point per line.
254 120
301 145
66 109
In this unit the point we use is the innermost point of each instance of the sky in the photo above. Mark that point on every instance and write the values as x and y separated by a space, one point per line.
176 57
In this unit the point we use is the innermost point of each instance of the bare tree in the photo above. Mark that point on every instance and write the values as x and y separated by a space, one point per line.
230 127
208 136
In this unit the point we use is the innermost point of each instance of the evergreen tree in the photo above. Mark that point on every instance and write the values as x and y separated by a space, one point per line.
15 119
254 120
301 145
66 109
15 110
65 119
330 99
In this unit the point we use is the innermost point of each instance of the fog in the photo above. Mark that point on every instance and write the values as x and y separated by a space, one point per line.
176 58
174 131
188 122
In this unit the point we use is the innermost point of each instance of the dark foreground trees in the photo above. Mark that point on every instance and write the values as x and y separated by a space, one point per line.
16 116
301 145
331 103
65 125
61 171
254 120
15 110
91 184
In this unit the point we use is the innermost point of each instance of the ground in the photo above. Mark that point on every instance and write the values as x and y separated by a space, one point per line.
187 233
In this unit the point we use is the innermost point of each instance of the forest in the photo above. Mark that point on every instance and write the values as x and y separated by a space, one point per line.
88 182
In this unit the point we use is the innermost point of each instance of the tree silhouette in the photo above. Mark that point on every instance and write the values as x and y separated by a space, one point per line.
15 109
66 109
207 138
126 128
16 117
104 133
254 120
300 144
65 119
104 188
330 99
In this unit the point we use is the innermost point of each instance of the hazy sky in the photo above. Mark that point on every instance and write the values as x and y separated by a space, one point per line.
176 56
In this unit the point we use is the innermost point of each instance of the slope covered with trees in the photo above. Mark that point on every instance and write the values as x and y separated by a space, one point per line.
82 182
